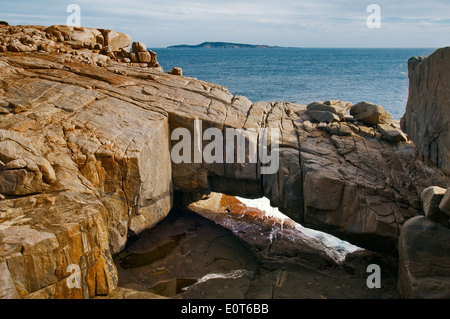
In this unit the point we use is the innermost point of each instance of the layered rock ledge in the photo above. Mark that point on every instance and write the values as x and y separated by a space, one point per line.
85 141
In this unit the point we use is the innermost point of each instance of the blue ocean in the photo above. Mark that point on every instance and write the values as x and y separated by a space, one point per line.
302 75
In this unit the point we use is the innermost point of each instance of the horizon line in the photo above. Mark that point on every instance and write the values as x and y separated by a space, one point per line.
294 47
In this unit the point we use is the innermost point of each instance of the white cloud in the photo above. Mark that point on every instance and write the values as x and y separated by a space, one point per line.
283 22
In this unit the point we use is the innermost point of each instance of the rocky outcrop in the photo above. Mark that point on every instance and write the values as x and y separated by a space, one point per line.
89 45
424 270
85 151
427 116
424 267
338 108
424 260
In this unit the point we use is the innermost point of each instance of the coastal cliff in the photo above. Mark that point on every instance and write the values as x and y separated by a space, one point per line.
85 159
427 116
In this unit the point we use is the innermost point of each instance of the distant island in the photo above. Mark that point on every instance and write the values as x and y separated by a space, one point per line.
220 45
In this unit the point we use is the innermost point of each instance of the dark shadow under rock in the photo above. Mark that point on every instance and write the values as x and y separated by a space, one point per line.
191 257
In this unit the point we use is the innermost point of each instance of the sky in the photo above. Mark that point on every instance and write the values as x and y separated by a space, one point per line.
292 23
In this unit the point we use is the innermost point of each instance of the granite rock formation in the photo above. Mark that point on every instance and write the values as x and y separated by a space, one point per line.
424 249
427 116
424 269
424 260
85 160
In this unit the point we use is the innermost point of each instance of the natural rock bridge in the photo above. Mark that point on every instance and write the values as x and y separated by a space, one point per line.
85 163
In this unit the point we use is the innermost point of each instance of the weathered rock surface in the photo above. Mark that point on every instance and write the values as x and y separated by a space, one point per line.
391 133
337 107
85 161
424 260
89 45
176 71
323 116
444 206
370 113
137 47
427 116
431 199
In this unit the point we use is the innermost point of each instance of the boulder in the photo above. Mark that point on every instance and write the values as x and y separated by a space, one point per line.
116 40
427 116
137 47
335 106
444 206
153 59
424 260
391 134
307 126
108 52
58 35
431 198
76 37
321 126
134 57
339 129
144 57
17 46
370 113
176 71
323 116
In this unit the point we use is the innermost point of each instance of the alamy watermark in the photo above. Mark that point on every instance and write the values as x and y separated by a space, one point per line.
74 280
74 19
374 20
228 147
374 279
